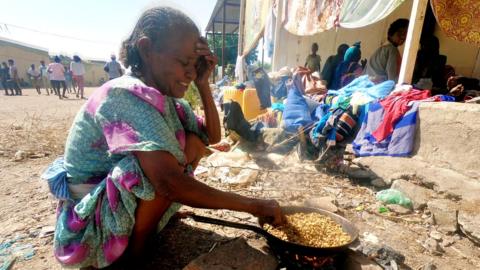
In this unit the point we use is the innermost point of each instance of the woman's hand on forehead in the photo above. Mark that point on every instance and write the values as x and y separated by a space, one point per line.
202 47
205 63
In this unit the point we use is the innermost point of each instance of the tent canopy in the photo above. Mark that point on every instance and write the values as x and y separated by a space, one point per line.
231 8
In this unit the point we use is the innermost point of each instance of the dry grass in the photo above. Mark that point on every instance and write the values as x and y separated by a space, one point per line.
37 136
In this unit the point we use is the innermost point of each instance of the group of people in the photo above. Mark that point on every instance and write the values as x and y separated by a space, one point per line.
53 77
430 72
9 78
342 68
56 77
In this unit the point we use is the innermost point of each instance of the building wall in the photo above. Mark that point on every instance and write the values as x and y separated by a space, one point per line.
294 49
23 57
94 73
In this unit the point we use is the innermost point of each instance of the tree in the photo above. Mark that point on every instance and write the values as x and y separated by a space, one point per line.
231 49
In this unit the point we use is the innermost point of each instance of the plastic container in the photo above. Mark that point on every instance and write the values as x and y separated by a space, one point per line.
234 94
251 104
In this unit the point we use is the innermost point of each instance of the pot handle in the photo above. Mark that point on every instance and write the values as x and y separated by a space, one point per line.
228 224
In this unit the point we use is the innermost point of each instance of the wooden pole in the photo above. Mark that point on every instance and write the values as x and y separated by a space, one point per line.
263 49
417 16
214 73
241 28
476 69
223 37
276 42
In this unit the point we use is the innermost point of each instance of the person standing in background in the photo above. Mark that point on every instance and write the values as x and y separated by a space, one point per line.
34 78
44 76
313 61
14 79
78 71
68 80
57 77
113 68
5 78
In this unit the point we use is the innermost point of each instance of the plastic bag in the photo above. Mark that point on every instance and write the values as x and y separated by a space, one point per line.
393 196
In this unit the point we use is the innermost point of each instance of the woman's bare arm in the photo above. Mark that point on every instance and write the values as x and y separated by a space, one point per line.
169 180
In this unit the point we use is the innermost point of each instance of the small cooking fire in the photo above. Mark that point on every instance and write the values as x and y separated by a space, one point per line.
291 261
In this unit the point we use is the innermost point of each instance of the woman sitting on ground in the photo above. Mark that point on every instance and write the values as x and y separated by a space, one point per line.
385 62
463 88
349 69
133 146
331 65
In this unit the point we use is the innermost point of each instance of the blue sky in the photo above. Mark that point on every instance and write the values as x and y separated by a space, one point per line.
99 24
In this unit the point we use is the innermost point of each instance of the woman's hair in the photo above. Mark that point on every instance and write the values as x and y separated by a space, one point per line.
77 59
160 25
342 48
56 59
397 25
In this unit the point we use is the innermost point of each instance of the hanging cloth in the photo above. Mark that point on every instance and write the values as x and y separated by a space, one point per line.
459 20
256 13
356 14
240 69
309 17
269 33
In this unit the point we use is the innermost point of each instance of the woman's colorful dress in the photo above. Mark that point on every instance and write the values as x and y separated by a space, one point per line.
99 180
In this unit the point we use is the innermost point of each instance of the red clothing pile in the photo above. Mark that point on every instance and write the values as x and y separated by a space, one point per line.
395 107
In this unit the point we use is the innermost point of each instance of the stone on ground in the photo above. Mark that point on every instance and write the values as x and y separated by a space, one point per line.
419 195
436 235
359 174
469 223
379 183
444 214
356 261
399 209
382 254
20 155
459 184
433 247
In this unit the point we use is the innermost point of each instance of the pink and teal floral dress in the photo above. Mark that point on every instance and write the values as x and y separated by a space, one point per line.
99 180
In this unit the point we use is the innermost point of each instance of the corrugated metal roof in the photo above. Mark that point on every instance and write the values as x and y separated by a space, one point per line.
232 16
7 41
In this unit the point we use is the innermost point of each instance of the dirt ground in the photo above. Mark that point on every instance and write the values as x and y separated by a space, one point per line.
37 127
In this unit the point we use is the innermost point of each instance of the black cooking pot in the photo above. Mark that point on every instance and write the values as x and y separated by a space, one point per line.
280 246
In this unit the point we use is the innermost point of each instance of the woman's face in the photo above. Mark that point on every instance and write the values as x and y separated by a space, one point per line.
173 69
399 37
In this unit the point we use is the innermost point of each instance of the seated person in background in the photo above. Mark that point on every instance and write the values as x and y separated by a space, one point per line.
331 64
385 62
463 88
430 64
313 60
349 68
